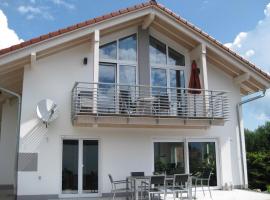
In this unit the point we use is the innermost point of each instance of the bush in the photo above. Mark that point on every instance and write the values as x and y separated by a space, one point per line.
258 170
258 157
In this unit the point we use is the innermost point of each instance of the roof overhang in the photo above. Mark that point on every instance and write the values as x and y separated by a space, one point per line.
14 59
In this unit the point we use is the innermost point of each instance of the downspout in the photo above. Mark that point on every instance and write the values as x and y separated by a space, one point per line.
241 136
18 136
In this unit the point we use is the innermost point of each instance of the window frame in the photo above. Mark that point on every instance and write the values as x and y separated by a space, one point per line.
167 67
186 141
183 141
116 38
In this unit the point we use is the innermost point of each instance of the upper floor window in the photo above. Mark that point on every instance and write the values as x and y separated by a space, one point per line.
121 57
162 54
175 58
108 51
157 52
121 50
167 66
128 48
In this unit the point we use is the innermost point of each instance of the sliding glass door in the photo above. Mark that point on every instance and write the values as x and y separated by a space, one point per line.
199 155
79 167
202 159
169 157
90 166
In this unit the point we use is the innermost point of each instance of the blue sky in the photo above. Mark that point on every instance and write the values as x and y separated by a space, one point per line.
244 25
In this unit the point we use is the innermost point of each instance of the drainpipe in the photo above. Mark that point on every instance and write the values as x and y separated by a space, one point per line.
18 136
242 137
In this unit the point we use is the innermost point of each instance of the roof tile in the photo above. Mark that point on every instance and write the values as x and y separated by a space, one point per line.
115 13
99 19
35 40
108 16
123 11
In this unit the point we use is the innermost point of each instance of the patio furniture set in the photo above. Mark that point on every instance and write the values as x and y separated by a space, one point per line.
138 186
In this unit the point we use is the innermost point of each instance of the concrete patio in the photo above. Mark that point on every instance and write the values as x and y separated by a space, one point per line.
216 195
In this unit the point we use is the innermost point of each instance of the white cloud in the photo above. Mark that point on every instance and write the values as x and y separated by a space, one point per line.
267 10
255 46
29 9
64 4
262 117
8 37
31 12
237 43
250 53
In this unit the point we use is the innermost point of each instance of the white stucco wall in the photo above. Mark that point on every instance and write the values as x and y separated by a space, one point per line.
8 142
121 150
228 134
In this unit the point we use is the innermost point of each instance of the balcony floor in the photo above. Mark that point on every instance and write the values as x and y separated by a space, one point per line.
145 121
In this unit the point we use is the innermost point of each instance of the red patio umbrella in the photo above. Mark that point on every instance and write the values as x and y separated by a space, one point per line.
194 82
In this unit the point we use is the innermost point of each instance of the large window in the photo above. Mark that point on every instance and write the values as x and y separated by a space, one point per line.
169 157
118 63
123 54
167 66
167 76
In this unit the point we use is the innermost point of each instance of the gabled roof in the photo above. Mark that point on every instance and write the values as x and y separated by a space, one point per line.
122 12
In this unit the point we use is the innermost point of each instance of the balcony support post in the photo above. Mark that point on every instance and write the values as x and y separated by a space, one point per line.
95 50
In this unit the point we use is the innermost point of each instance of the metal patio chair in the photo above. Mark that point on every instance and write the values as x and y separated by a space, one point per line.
156 185
140 188
205 176
180 185
120 190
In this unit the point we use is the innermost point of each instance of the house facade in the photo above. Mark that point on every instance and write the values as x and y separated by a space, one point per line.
125 102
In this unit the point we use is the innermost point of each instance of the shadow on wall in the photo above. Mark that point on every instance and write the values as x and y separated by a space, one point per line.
33 132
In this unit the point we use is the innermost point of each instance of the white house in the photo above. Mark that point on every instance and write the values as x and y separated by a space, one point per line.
120 84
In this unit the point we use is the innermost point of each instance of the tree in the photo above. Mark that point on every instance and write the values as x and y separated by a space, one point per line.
258 156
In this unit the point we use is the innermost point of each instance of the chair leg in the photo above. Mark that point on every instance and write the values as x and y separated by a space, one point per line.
209 189
202 187
149 196
165 195
195 187
113 195
174 194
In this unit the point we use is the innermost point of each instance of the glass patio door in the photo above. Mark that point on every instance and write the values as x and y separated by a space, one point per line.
79 167
70 158
202 158
90 166
169 157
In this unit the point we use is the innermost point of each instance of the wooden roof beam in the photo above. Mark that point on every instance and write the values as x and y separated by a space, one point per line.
241 78
148 21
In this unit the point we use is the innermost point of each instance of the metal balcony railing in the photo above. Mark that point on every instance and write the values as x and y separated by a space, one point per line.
103 99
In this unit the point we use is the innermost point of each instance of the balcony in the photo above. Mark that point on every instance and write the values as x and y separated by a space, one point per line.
114 105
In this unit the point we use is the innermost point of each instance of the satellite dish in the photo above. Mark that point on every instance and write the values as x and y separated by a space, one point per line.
47 111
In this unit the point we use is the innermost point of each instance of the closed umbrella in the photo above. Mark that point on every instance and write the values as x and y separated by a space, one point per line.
194 82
